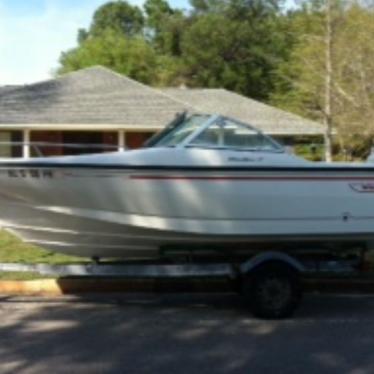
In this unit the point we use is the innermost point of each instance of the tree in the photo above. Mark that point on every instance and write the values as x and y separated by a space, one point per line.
129 56
252 9
116 39
323 77
328 81
235 50
82 35
119 16
165 26
310 68
208 6
157 11
353 83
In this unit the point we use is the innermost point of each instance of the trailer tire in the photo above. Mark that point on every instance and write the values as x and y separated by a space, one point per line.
273 290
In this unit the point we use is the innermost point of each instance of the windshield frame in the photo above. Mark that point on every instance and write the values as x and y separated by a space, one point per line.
173 127
188 141
153 140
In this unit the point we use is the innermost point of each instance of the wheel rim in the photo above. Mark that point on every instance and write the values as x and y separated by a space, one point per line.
274 293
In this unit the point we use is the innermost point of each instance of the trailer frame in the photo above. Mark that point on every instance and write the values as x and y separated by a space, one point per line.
270 281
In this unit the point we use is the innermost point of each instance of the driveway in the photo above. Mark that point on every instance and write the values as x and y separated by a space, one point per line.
183 333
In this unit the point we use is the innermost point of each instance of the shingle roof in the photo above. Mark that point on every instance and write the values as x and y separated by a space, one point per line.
99 96
7 88
265 117
90 96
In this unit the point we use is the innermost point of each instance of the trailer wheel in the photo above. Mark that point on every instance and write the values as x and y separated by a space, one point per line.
273 291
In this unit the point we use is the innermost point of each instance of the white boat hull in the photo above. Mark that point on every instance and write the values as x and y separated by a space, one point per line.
133 212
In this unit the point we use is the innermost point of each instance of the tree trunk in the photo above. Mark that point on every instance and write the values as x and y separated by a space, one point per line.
328 83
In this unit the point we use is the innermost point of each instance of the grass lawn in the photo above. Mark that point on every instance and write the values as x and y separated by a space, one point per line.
14 250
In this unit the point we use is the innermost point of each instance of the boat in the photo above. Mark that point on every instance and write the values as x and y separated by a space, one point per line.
206 183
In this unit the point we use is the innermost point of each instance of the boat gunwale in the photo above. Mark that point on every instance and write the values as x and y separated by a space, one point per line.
181 168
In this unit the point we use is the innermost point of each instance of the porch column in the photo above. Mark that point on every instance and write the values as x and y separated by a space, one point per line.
26 144
121 140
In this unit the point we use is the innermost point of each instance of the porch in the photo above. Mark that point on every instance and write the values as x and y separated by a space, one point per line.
28 143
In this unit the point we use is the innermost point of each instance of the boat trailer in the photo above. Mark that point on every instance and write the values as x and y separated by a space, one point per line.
186 270
103 270
270 282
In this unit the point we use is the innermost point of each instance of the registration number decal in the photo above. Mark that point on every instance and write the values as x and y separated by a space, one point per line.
367 187
30 173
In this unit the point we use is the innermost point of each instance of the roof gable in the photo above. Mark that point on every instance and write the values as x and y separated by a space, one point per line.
90 96
7 88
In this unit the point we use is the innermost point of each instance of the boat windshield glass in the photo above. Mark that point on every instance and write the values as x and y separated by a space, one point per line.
230 134
204 131
181 131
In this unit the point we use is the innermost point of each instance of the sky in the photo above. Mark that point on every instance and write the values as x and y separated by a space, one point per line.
34 32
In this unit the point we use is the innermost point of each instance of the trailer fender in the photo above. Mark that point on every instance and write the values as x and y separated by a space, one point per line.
262 258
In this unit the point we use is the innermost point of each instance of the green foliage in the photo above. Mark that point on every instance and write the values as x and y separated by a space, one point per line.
252 9
82 35
119 16
130 56
165 27
300 80
120 39
311 152
208 6
236 53
13 250
157 11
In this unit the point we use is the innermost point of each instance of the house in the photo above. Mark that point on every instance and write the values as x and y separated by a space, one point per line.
98 107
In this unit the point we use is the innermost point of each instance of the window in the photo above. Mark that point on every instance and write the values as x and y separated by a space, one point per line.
10 144
182 131
137 139
227 133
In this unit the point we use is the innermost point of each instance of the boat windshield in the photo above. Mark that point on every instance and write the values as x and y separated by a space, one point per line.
202 131
181 131
230 134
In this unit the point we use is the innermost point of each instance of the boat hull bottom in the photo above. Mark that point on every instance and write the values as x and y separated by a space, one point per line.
97 234
109 245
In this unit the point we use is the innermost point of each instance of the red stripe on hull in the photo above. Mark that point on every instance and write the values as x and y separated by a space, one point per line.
244 178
